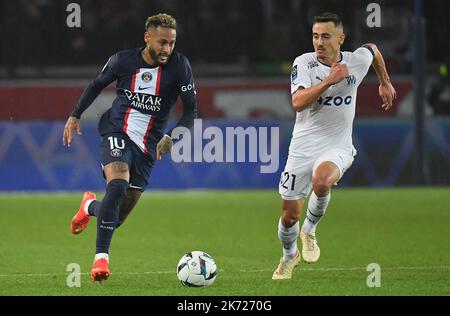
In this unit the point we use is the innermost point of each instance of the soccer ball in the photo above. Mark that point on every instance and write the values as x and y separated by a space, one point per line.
196 269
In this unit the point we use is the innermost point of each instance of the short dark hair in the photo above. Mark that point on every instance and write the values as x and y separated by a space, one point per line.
161 19
329 17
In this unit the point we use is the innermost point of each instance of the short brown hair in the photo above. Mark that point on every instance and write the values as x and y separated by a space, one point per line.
329 17
161 19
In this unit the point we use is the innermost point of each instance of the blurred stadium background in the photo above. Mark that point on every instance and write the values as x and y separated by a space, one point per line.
241 54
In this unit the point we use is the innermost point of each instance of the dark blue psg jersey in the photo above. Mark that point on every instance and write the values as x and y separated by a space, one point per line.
145 96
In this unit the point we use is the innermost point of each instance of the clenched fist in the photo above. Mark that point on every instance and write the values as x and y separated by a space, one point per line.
164 146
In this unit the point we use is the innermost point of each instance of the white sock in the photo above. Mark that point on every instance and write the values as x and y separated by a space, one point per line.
316 209
101 255
86 206
288 238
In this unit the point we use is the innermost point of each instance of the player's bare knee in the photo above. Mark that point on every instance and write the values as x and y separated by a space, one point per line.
288 219
290 212
321 186
289 216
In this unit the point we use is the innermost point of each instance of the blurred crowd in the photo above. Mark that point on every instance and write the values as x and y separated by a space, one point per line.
249 32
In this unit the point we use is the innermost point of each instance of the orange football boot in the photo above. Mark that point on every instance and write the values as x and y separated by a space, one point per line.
100 270
81 219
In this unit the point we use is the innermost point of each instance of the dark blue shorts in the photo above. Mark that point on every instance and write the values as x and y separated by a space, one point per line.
118 147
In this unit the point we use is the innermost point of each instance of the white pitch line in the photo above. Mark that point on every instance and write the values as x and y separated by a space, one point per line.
360 268
243 271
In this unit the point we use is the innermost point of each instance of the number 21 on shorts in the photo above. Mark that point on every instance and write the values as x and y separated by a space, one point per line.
288 181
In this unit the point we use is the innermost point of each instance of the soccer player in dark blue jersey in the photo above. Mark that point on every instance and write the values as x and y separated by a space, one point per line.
149 81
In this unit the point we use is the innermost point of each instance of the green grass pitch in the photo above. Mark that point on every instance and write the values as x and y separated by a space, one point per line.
406 231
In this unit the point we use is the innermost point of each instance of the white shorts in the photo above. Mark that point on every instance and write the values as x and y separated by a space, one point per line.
296 179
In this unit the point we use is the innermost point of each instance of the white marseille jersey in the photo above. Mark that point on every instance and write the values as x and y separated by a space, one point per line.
328 122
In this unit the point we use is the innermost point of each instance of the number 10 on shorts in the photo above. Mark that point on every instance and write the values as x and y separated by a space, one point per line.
288 181
114 143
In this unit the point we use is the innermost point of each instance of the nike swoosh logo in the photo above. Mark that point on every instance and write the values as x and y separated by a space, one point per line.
145 88
103 222
317 77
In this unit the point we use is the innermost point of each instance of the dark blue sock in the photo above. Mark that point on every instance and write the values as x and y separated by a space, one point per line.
94 208
108 213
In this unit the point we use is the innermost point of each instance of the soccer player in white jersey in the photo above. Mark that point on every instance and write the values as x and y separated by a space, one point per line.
323 87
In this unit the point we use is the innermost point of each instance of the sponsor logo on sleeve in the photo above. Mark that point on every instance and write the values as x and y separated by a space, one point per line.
294 73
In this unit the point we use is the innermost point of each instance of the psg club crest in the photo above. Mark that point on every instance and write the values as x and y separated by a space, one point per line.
116 153
146 77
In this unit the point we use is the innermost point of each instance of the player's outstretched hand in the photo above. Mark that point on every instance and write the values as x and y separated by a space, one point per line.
72 124
387 94
337 74
164 146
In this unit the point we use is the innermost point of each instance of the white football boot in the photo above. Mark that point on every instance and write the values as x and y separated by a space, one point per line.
310 249
284 270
